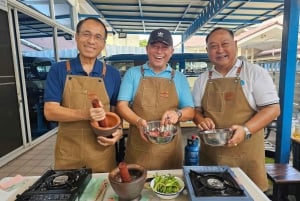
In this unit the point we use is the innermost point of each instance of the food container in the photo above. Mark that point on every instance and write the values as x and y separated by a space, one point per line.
168 196
216 137
113 123
160 134
128 191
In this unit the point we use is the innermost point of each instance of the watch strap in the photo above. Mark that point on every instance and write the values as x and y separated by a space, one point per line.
179 113
247 133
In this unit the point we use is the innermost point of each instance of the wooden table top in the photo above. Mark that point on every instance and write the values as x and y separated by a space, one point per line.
283 173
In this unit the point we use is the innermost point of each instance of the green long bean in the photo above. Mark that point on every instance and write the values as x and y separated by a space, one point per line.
166 184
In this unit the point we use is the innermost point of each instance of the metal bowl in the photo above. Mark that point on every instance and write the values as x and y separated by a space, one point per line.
160 134
216 137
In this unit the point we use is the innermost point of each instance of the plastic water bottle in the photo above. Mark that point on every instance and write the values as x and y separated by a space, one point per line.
191 156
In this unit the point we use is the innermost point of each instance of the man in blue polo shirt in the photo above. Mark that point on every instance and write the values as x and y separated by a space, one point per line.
155 91
68 89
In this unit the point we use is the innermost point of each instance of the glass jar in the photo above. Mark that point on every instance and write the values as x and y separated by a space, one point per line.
296 133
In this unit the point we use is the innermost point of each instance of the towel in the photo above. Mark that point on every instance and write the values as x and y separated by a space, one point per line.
11 183
91 190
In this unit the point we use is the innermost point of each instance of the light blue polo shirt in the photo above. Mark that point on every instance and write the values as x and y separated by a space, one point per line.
131 80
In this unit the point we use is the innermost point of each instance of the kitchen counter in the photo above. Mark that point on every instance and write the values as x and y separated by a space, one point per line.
147 195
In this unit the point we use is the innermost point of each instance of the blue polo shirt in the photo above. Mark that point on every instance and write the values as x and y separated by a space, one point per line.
56 79
131 80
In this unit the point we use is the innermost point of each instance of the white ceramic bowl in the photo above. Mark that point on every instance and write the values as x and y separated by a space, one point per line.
170 195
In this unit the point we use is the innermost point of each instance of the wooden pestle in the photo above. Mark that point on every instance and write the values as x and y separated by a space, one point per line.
124 173
102 123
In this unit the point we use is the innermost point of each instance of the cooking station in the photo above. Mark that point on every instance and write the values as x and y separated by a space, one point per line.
214 183
223 183
58 185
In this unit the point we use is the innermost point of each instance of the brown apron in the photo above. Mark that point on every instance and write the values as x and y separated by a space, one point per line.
76 144
154 96
225 102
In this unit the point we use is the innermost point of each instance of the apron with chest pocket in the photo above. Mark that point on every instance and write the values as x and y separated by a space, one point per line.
76 144
154 96
224 102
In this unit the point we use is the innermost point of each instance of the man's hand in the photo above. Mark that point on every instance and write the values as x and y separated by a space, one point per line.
141 124
97 114
107 141
171 117
206 124
238 136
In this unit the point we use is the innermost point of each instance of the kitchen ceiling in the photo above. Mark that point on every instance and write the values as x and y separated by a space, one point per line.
182 17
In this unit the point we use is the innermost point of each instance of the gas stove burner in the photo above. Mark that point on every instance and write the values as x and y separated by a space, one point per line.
59 185
213 183
217 183
61 180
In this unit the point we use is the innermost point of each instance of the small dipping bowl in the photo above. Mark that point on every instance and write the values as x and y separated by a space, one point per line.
113 121
128 190
216 137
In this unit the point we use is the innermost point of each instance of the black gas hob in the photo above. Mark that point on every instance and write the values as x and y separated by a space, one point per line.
58 185
206 183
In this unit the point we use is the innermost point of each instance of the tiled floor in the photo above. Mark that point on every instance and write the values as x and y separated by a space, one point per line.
41 158
34 162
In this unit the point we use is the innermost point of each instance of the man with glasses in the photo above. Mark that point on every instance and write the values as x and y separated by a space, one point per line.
69 88
239 95
155 91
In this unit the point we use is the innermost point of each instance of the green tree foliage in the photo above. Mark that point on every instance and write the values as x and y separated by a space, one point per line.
143 43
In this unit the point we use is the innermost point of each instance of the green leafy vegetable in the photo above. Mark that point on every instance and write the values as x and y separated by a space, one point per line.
166 184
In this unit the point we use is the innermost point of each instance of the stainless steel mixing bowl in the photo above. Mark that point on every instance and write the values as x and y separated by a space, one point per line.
216 137
160 134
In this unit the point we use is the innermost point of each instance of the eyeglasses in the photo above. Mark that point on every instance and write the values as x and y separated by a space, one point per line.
89 35
215 46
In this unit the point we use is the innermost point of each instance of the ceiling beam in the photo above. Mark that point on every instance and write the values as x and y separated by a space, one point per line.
183 16
141 14
101 15
212 9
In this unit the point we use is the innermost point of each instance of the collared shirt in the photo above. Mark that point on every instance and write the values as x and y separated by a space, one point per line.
132 78
56 78
257 84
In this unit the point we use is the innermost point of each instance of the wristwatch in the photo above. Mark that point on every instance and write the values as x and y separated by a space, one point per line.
247 133
179 113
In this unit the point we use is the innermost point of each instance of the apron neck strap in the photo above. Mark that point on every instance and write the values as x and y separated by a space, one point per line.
103 70
237 73
68 66
172 73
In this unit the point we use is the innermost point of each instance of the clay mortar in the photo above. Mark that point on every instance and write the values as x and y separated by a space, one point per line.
113 121
129 190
